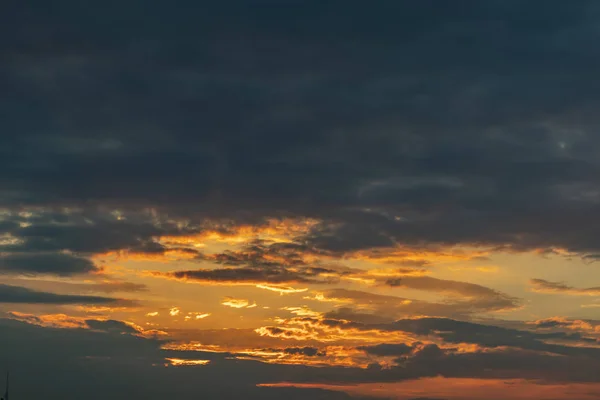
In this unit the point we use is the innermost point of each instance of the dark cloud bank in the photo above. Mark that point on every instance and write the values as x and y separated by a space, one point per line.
405 122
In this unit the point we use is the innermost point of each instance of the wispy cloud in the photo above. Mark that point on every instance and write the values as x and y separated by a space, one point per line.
544 286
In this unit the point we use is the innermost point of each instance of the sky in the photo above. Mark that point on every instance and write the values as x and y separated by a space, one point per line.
294 199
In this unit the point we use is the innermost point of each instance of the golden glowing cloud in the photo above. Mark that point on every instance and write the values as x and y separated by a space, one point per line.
274 230
303 311
180 362
281 289
237 303
51 320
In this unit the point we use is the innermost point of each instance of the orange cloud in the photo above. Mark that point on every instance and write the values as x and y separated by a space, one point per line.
64 321
274 230
163 257
330 330
237 303
281 289
50 320
562 322
181 362
303 311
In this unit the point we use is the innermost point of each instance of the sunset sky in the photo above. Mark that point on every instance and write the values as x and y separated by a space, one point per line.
286 199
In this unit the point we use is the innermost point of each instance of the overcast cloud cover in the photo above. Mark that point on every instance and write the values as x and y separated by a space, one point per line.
385 191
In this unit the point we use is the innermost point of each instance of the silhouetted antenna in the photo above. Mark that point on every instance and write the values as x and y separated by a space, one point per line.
6 391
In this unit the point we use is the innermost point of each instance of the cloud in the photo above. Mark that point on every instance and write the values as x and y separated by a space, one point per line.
566 323
385 349
407 336
17 294
238 276
46 263
480 296
543 286
237 303
111 345
306 351
464 301
85 231
400 134
113 350
442 159
113 287
453 331
266 263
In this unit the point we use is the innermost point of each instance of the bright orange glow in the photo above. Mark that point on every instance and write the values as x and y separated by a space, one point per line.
281 289
462 389
180 362
51 320
237 303
282 230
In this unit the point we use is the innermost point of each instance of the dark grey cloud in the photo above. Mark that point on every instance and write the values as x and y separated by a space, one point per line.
61 241
453 331
75 363
46 263
449 332
306 351
471 124
430 360
240 275
388 349
112 326
261 262
119 355
88 231
17 294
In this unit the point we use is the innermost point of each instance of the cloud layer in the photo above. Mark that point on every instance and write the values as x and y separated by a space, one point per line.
360 158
